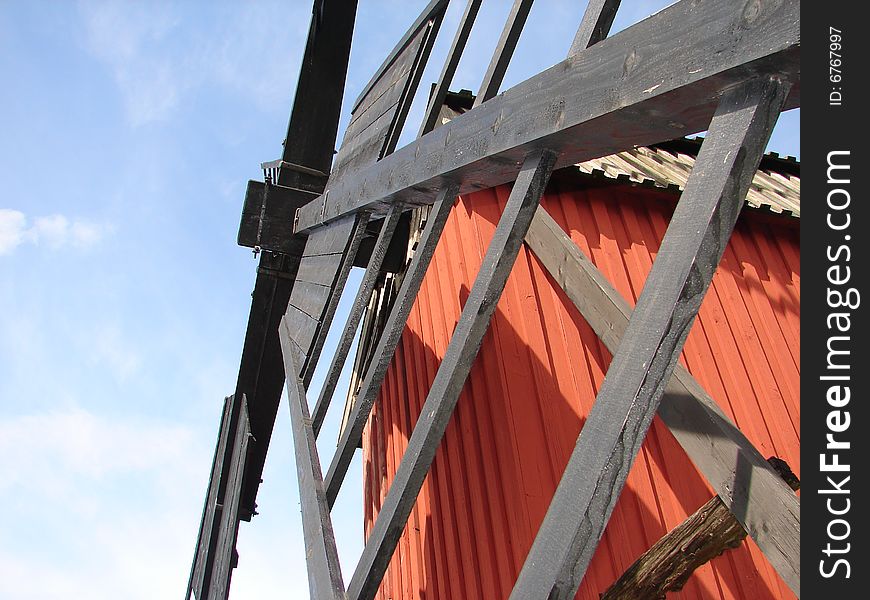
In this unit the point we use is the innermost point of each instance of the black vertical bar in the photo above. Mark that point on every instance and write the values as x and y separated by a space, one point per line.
321 554
643 363
501 58
452 373
362 297
392 332
450 64
595 25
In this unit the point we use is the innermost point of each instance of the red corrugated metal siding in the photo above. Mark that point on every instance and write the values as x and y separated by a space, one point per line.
536 377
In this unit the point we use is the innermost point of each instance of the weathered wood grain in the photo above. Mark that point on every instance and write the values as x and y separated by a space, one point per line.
644 361
657 80
452 373
504 51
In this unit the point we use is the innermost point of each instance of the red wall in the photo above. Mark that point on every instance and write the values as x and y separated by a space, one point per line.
535 379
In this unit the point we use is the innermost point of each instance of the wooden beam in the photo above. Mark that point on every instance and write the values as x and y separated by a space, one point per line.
356 312
595 25
452 373
309 145
450 64
313 123
321 554
504 51
667 565
729 462
392 332
659 79
642 365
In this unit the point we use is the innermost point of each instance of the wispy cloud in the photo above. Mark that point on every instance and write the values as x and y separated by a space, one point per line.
52 231
159 55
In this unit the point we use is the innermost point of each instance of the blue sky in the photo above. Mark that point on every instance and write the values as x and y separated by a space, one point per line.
127 134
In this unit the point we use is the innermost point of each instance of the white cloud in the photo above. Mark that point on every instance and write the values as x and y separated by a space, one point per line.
54 231
118 498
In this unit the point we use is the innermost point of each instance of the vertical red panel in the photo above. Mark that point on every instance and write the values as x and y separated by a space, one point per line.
536 378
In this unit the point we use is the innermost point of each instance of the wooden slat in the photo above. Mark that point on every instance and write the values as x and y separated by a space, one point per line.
432 11
356 312
644 361
451 375
313 351
311 298
596 103
391 333
225 548
200 572
331 240
595 25
319 270
324 570
311 140
450 64
504 50
300 326
763 504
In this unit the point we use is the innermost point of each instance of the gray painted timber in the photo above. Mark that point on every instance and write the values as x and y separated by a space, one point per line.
390 336
644 361
228 530
200 572
452 373
657 80
356 312
450 64
313 352
324 570
595 24
714 444
504 50
309 143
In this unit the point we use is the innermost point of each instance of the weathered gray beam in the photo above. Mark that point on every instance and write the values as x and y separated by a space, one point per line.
309 144
595 25
452 373
657 80
745 482
386 347
312 353
321 554
504 51
644 361
450 64
356 312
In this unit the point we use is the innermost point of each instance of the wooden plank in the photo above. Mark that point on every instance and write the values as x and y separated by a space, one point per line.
452 373
331 240
434 9
391 333
300 326
356 312
595 25
267 218
311 298
319 269
504 51
312 352
200 571
324 569
310 143
668 86
668 564
449 68
762 503
643 362
313 125
225 548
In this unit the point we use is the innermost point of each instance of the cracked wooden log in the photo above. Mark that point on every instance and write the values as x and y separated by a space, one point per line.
668 564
